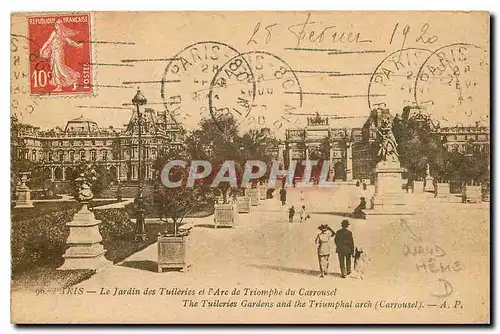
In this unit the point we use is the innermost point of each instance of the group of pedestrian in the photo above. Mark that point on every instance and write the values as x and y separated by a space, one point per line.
291 211
303 214
344 243
343 238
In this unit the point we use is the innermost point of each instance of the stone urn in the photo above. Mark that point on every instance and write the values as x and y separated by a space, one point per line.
23 193
85 250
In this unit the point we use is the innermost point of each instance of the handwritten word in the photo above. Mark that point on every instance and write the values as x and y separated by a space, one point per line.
307 31
417 250
437 267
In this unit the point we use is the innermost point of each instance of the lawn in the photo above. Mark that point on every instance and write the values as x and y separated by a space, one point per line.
38 242
44 208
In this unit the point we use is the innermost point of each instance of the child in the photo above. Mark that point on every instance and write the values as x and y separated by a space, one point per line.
291 213
303 214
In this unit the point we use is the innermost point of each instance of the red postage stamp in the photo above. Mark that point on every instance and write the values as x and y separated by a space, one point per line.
60 54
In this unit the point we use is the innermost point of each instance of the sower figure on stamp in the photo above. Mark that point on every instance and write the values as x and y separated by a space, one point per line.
345 248
53 49
323 242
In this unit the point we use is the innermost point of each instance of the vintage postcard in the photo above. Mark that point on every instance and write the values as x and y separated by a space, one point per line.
250 167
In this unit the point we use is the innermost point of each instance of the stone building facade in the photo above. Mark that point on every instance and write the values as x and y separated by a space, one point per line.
465 139
60 150
346 149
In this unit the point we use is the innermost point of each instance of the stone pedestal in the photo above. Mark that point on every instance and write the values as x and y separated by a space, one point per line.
23 193
388 197
85 249
429 184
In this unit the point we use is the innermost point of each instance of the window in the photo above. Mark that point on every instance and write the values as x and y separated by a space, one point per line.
93 142
104 155
82 155
33 155
61 156
93 155
50 156
60 143
72 155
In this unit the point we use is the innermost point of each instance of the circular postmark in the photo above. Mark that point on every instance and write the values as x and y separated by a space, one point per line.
259 89
453 84
392 83
186 82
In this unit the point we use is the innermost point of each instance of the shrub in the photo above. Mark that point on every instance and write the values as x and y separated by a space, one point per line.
116 224
40 240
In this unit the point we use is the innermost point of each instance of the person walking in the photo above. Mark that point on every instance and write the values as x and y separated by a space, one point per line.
283 195
291 213
345 248
119 193
303 214
323 241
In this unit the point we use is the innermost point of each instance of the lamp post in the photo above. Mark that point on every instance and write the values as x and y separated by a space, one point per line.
140 230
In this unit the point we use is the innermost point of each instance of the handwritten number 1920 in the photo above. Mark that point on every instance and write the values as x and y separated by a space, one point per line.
422 37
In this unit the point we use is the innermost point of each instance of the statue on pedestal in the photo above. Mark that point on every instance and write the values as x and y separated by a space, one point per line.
387 199
387 151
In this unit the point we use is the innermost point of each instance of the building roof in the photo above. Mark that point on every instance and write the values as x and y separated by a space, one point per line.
81 125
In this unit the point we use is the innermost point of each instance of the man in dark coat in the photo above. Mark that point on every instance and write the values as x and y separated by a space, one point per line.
283 195
345 248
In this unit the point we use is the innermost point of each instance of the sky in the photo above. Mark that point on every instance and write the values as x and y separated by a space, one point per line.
293 65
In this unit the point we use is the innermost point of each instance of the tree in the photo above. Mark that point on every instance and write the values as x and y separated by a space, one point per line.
103 180
18 161
217 140
40 178
418 146
259 144
174 204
